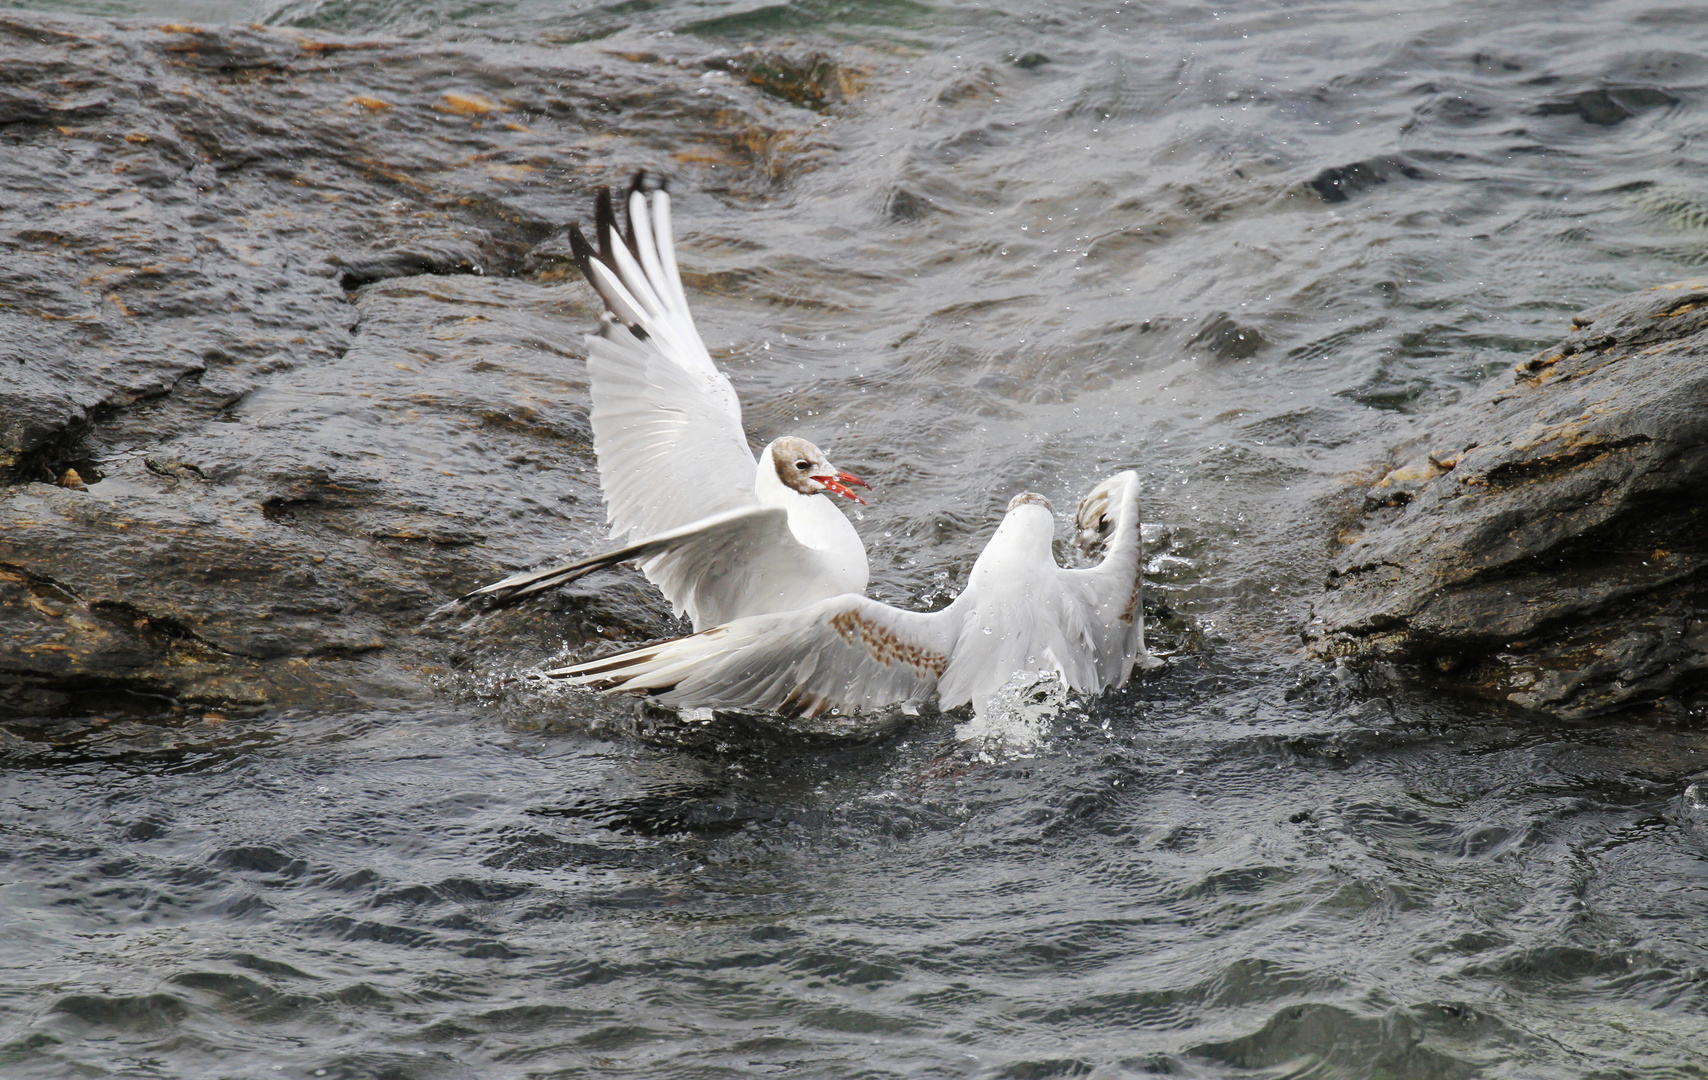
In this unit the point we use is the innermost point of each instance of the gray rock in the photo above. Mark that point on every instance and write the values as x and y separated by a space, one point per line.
1545 540
289 356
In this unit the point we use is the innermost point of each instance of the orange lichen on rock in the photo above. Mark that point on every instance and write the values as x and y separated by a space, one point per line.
464 104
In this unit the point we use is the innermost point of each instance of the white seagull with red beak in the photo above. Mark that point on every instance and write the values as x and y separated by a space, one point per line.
1020 612
722 536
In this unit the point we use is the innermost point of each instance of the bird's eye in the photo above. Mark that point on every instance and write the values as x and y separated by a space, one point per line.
803 465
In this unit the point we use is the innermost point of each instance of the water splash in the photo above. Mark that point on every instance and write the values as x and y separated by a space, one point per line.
1016 720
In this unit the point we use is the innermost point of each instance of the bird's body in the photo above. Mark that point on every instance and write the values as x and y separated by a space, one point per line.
790 547
1019 612
723 535
1023 612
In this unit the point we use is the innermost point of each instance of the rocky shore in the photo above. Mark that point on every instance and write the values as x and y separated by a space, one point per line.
287 353
1544 541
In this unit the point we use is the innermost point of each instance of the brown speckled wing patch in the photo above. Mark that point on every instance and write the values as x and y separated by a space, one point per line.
883 645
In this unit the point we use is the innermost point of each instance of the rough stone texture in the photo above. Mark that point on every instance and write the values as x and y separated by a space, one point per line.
287 357
1546 540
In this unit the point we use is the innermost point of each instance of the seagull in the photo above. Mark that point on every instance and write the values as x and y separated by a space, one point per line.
1020 611
723 536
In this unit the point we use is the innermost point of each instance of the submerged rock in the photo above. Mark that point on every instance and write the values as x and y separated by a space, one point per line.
1545 541
287 359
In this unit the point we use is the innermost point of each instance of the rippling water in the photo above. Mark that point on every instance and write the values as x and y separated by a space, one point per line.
1232 248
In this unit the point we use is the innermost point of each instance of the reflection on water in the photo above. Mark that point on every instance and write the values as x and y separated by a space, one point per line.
1232 249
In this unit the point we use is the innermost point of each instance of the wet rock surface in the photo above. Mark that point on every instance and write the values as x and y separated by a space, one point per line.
1545 540
287 355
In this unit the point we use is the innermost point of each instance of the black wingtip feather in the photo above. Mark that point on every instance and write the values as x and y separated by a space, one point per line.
585 256
604 225
606 232
638 183
581 251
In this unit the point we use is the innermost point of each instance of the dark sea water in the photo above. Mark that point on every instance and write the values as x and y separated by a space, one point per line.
1234 247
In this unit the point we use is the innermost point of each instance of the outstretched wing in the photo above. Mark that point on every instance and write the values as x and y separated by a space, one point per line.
696 565
846 653
1113 587
666 422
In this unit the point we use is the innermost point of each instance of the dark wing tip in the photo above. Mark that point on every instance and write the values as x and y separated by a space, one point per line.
581 250
648 181
636 184
485 602
604 224
802 702
585 257
607 666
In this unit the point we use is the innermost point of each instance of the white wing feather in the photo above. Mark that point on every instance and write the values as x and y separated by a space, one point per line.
741 561
666 422
846 653
1116 583
696 561
1023 612
668 439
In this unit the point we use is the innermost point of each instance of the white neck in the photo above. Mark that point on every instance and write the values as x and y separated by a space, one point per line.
837 563
814 520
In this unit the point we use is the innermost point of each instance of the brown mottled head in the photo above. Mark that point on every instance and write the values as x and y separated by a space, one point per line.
802 467
1028 498
1095 520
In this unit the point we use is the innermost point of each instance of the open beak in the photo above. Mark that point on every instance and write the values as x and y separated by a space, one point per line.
841 483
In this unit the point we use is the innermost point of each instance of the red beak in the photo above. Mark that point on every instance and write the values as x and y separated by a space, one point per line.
841 482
